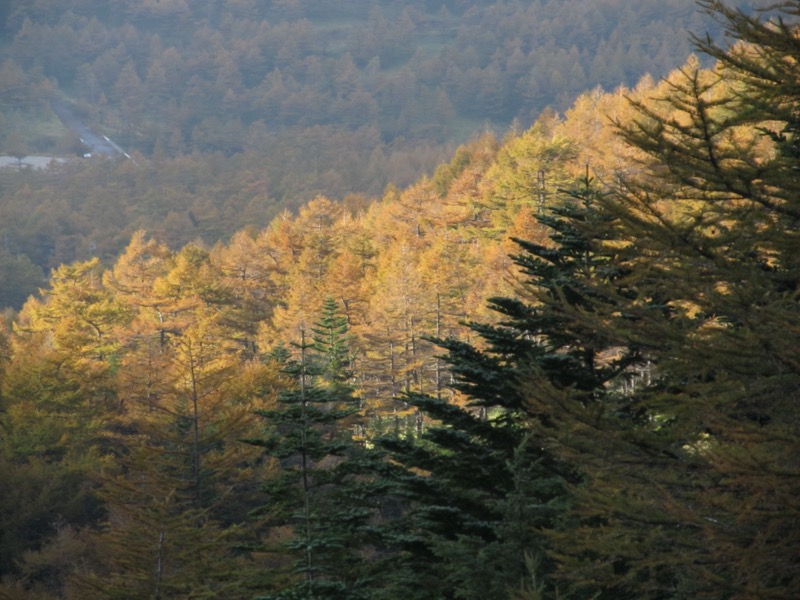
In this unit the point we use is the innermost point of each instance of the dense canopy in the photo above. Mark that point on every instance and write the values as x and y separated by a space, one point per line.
563 365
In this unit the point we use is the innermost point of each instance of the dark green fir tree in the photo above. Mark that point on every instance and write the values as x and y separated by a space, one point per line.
333 349
691 493
318 505
481 485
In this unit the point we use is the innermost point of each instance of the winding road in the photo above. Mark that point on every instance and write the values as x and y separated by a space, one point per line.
99 144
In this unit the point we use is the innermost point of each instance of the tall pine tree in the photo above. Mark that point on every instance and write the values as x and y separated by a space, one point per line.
692 496
318 506
480 485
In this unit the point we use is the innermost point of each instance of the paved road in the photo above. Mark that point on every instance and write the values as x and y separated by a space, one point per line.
99 144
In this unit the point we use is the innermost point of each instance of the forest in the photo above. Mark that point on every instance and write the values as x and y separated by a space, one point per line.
561 365
236 110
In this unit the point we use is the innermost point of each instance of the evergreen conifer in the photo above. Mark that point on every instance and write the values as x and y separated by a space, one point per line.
688 493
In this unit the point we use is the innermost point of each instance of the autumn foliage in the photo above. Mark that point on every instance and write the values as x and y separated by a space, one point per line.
560 366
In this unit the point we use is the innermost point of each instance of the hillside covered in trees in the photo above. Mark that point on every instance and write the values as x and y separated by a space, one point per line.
235 110
562 366
177 77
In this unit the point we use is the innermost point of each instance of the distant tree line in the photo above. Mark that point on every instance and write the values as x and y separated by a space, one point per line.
331 407
295 82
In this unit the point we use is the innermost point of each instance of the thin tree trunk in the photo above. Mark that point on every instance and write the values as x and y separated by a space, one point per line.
309 576
159 565
438 336
195 430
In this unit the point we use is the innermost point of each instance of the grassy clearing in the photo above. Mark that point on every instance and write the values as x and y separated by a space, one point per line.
40 131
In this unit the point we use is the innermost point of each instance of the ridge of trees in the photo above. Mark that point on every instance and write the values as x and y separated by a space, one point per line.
410 71
620 422
102 371
238 110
